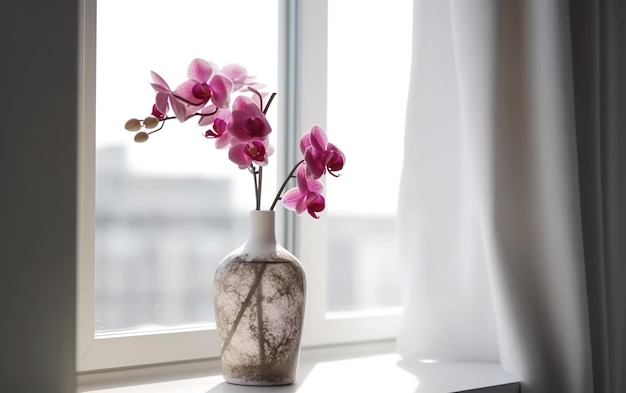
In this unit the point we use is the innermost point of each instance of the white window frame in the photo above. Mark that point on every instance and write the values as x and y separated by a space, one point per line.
303 47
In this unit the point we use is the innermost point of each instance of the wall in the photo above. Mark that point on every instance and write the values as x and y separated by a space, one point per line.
38 64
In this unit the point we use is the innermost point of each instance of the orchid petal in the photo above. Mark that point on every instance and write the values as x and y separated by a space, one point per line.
315 203
180 109
185 91
269 149
157 113
255 149
247 120
205 120
301 180
220 126
334 160
256 86
319 140
291 197
210 113
257 100
159 83
240 103
200 70
161 102
305 142
336 149
219 132
221 87
301 205
238 155
159 89
314 163
237 74
315 186
212 110
223 141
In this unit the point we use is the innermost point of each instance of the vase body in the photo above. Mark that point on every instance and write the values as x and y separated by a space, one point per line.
259 306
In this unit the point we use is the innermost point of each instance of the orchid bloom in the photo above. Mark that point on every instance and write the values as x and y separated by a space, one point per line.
209 113
205 84
238 75
219 129
307 196
166 97
163 96
247 120
240 124
319 155
247 152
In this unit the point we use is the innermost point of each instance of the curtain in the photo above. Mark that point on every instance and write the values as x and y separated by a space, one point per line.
511 220
599 63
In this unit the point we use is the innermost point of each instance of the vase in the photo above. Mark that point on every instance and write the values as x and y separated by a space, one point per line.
259 305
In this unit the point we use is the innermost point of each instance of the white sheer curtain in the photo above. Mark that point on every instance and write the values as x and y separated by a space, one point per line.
491 232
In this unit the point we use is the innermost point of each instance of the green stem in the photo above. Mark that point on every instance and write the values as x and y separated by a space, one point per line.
282 187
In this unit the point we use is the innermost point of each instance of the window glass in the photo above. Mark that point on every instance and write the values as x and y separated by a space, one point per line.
168 210
368 74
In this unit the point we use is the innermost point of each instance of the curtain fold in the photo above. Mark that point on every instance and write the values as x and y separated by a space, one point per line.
446 284
598 38
515 173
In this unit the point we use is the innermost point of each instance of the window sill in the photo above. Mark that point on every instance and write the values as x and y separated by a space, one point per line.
372 367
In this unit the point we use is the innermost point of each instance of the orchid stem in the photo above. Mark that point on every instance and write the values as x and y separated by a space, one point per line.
163 120
162 124
254 172
269 102
282 187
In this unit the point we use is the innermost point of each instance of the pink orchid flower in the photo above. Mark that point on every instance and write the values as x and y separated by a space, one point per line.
157 113
163 96
247 120
166 97
320 155
240 125
219 129
307 196
244 153
240 78
210 112
205 84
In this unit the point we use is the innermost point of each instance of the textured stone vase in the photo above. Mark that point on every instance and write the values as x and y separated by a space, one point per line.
259 306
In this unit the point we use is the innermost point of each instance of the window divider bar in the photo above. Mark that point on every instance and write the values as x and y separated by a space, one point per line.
290 86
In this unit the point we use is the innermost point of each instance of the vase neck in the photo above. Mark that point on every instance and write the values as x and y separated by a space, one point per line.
262 227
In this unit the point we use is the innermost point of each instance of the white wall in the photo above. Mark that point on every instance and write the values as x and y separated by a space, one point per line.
38 90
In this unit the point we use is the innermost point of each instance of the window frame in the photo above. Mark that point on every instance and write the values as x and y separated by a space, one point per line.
303 65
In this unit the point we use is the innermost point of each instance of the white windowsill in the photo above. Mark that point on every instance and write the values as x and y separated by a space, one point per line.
371 367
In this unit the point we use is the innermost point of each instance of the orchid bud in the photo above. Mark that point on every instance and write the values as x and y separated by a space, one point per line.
133 125
141 137
150 122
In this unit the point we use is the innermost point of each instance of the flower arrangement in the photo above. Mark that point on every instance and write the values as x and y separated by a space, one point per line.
230 103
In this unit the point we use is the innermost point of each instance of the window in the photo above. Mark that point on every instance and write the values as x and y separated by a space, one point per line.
367 90
157 218
168 210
